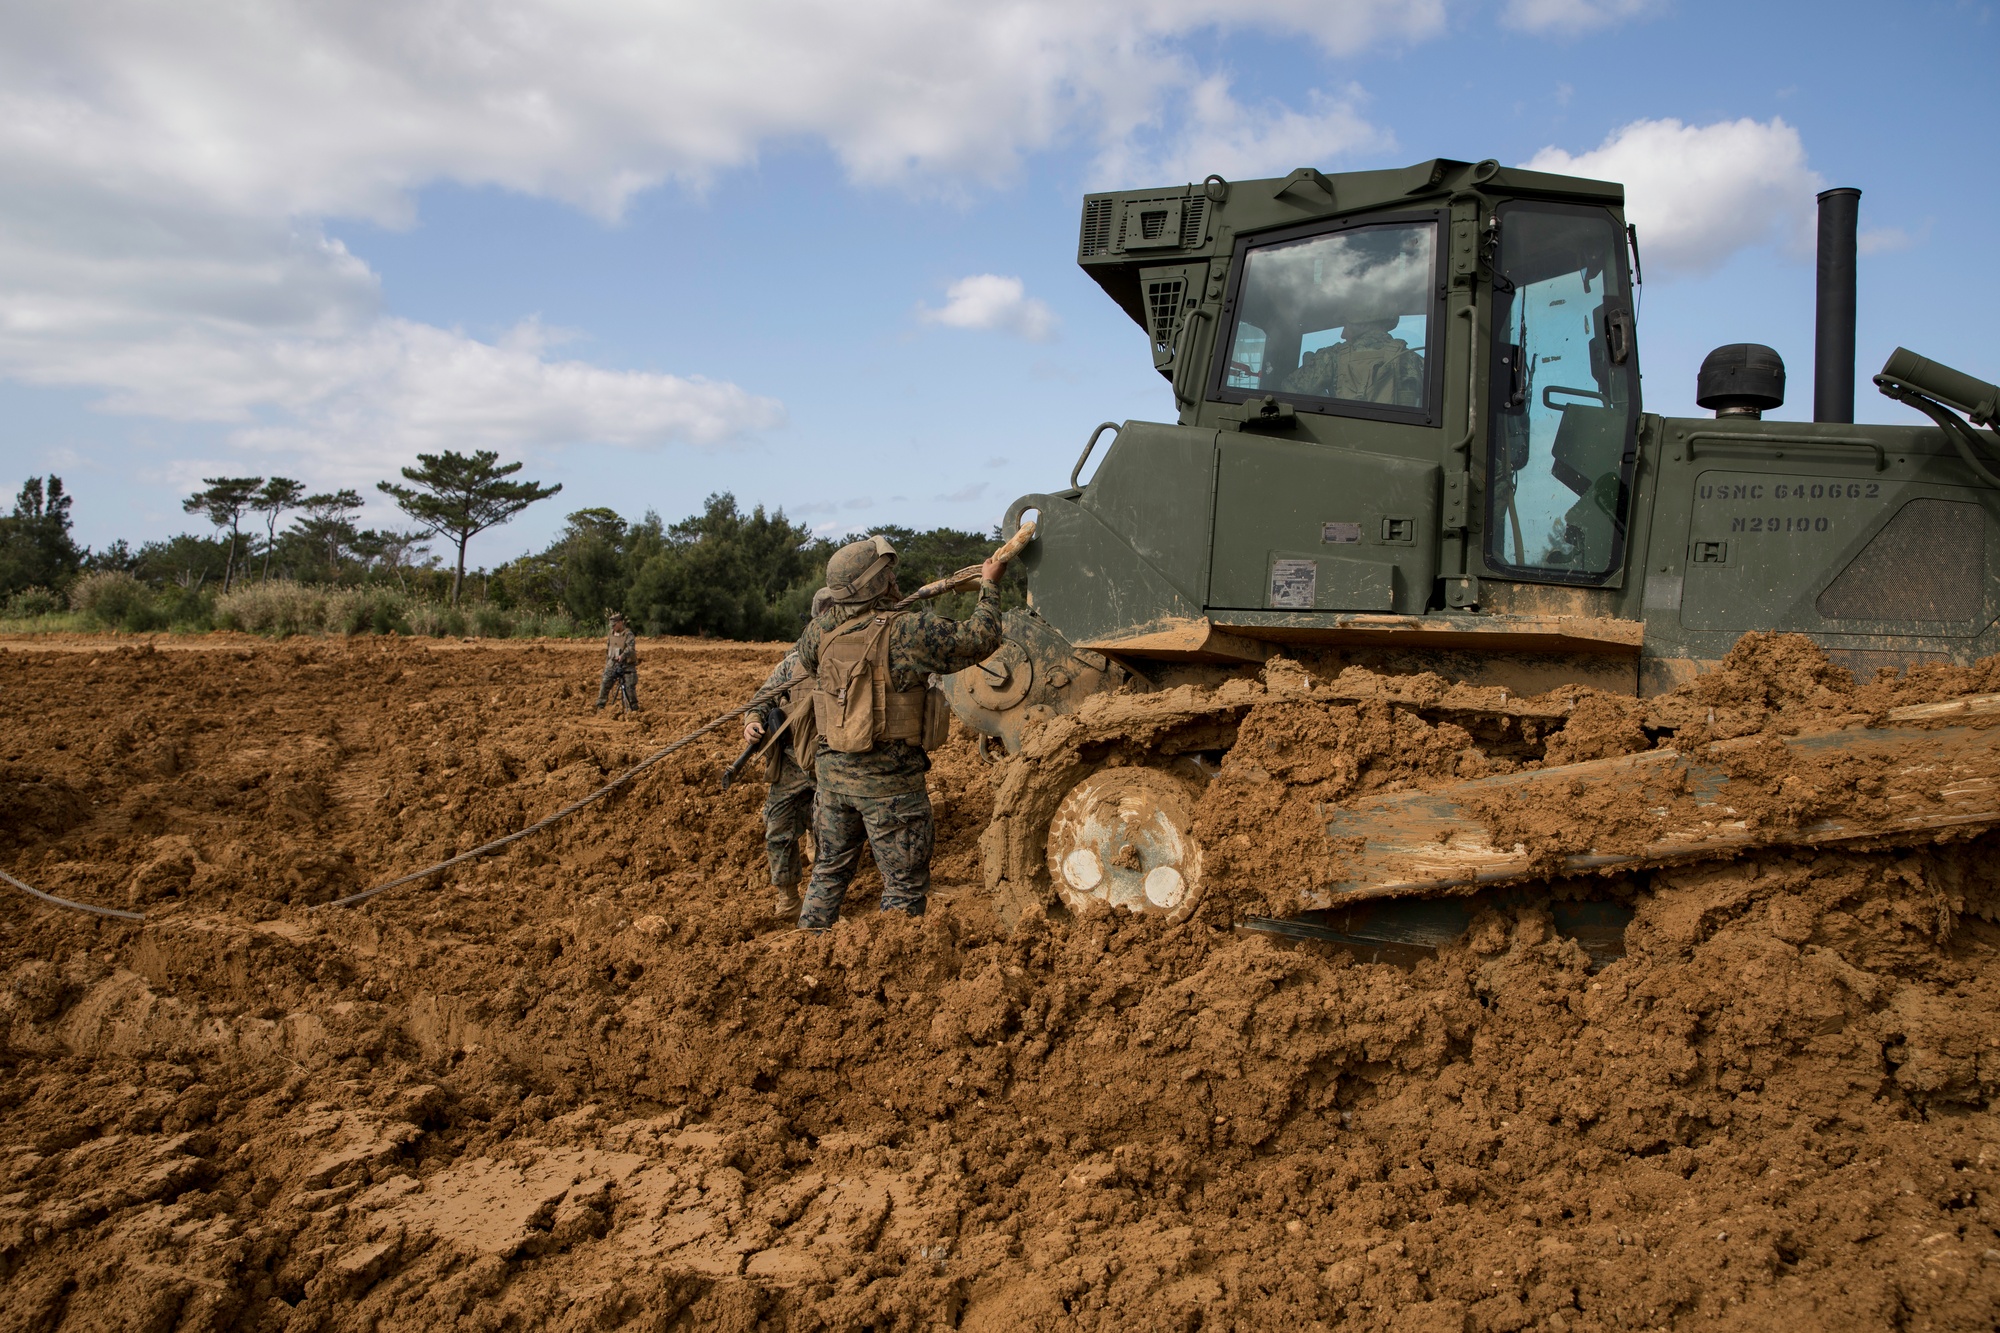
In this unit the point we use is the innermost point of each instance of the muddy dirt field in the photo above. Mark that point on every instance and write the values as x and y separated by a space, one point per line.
589 1083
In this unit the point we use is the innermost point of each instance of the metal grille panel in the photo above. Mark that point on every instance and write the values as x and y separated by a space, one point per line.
1163 309
1927 564
1096 238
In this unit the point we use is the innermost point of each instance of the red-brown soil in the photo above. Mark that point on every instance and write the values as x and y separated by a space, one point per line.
588 1083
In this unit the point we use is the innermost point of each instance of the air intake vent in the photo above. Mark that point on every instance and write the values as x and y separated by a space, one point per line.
1163 310
1152 224
1191 216
1928 564
1096 228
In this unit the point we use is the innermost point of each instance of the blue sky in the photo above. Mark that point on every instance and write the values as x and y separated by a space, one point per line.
823 257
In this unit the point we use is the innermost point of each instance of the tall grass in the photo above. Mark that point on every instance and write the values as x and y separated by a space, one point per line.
282 608
38 611
115 600
31 602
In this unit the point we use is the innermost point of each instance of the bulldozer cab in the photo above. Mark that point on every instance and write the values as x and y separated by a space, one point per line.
1347 319
1399 392
1409 436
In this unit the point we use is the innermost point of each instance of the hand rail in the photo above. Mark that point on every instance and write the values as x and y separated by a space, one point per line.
1792 441
1185 354
1084 457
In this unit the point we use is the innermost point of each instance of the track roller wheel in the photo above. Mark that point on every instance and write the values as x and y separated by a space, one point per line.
1126 836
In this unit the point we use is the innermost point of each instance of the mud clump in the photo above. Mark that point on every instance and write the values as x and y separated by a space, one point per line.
587 1083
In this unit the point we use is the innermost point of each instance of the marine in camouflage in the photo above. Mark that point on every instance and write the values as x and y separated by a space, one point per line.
788 804
621 666
898 829
878 796
1366 366
788 813
920 643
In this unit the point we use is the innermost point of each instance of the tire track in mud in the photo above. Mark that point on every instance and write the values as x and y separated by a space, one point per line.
585 1082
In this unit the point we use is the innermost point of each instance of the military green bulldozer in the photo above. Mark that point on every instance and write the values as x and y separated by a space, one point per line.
1411 439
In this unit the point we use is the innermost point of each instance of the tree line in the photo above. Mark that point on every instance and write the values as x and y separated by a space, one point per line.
724 572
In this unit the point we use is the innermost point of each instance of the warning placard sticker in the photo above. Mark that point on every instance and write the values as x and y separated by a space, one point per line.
1294 584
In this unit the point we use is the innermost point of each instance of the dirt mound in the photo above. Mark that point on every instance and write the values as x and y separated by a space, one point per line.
586 1084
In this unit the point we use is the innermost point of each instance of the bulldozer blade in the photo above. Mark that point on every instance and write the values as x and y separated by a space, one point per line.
1931 767
1403 931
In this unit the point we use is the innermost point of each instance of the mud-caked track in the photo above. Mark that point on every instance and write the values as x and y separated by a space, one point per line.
586 1083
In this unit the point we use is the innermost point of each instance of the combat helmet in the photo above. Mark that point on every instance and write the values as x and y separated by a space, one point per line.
862 571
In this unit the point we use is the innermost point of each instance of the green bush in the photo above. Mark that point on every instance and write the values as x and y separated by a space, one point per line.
276 606
490 622
366 611
544 624
438 620
191 609
114 599
35 602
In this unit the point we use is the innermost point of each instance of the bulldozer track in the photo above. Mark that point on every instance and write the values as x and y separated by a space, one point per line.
1906 775
1152 730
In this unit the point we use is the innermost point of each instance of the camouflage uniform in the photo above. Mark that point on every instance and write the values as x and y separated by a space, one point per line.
1369 367
621 667
879 793
788 805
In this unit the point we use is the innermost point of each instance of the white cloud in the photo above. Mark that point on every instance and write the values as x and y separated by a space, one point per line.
1214 132
1888 240
989 301
1699 194
298 108
1561 17
276 332
171 177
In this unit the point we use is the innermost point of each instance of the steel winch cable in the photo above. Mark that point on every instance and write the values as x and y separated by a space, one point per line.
757 700
956 580
91 908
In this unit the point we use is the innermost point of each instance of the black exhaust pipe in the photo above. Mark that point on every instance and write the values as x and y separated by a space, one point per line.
1833 325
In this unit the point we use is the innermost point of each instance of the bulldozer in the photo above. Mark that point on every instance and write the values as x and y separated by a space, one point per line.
1411 468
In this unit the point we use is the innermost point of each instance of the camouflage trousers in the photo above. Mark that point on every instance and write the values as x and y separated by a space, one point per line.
623 678
788 813
898 830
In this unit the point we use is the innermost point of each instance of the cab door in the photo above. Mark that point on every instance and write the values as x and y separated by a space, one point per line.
1564 397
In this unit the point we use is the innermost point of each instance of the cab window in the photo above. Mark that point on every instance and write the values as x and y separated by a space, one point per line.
1339 321
1564 396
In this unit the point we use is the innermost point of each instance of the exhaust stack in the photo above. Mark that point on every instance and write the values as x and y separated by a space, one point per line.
1833 325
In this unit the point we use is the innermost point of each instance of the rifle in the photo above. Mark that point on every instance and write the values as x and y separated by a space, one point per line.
730 774
766 737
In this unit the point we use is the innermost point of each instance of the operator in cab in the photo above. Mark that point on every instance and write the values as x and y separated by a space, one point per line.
877 716
1367 365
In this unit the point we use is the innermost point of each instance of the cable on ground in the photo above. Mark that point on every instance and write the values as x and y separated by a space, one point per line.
34 892
757 701
963 577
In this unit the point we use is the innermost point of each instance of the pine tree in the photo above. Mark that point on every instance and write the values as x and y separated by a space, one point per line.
460 497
